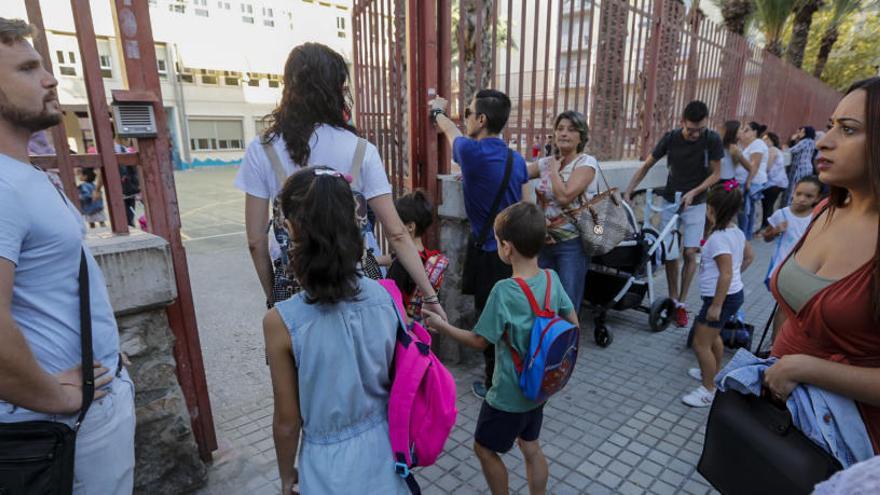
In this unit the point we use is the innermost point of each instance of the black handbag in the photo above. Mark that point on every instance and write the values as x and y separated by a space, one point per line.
36 457
751 447
474 254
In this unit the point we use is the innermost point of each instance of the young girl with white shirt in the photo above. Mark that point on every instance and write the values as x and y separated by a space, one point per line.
724 255
756 152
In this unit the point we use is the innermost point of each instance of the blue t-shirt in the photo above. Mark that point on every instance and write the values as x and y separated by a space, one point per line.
482 168
42 234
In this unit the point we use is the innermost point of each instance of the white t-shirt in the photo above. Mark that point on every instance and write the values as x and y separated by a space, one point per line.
330 146
796 228
728 241
777 176
757 146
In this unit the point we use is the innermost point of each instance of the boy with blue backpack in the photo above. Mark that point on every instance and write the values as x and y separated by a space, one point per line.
536 348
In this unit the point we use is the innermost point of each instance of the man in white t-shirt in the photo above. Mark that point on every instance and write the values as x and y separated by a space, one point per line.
41 247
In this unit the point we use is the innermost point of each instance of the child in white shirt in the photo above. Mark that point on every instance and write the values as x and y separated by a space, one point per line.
724 255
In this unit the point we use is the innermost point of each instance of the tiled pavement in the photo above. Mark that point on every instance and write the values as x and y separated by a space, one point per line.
618 427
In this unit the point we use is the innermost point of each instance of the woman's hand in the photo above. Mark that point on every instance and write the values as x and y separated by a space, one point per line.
781 378
435 308
287 486
713 313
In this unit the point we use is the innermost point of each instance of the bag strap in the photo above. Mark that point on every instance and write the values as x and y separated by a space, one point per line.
357 162
493 211
767 327
85 319
280 174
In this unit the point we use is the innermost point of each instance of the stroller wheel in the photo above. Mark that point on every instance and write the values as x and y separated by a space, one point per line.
661 314
603 336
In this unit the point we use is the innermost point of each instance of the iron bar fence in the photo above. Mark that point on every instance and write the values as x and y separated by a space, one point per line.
629 66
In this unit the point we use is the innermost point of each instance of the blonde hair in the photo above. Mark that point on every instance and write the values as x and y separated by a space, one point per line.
14 30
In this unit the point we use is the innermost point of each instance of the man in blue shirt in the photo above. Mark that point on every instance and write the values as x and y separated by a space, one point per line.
41 240
483 155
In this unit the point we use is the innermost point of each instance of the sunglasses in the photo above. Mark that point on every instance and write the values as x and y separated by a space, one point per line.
694 130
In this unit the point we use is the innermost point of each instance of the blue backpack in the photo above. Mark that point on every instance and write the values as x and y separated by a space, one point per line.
553 349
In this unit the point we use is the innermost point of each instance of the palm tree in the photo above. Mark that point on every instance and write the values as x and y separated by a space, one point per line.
800 30
736 14
771 17
840 10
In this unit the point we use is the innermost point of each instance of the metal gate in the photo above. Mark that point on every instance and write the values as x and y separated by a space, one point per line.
629 65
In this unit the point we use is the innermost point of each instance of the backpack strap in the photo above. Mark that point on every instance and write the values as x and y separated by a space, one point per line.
280 174
546 312
357 162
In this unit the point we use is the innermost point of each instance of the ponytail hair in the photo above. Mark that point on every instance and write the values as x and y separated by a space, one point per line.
759 129
415 208
326 244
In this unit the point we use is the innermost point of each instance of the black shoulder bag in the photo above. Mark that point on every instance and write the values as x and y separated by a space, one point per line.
36 457
475 246
751 446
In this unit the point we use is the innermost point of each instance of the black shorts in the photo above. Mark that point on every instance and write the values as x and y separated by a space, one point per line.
497 430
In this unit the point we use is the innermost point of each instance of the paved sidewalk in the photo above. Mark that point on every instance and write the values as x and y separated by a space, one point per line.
618 427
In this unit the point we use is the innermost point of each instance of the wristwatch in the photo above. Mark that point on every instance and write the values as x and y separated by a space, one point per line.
435 112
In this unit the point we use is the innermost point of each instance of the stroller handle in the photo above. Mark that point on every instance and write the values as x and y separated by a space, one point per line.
649 202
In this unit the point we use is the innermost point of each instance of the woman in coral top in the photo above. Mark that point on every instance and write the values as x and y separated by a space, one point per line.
829 287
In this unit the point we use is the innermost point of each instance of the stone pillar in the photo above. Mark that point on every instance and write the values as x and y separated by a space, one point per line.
140 280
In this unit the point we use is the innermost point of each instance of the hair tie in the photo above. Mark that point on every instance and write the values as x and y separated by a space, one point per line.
730 185
333 173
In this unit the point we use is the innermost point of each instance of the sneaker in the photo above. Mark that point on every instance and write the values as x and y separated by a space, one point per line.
696 374
700 397
479 389
681 316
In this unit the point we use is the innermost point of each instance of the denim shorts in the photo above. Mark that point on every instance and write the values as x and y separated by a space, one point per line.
731 305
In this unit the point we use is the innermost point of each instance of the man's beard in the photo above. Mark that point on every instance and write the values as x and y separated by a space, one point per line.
32 121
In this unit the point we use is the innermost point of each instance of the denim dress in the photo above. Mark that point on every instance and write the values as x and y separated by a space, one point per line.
343 355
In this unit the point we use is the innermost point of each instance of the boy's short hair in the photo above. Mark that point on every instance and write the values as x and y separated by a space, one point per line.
695 111
495 105
523 225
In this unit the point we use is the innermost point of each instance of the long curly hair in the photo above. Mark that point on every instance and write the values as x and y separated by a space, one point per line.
315 92
326 243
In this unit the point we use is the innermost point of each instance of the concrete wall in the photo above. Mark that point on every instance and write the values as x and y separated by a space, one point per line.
140 281
454 229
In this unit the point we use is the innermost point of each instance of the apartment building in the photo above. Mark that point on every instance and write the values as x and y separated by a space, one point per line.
220 63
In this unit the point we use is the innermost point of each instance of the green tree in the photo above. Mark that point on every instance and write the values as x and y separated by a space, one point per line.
800 30
855 54
772 17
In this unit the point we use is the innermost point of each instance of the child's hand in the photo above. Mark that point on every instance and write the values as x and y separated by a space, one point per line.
781 228
714 313
431 320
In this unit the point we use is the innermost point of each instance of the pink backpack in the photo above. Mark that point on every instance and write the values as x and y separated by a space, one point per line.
421 409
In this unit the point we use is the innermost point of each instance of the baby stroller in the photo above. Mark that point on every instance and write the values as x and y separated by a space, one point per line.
620 278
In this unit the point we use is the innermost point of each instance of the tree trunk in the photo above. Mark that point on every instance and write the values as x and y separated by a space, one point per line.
473 40
800 31
775 47
735 14
608 117
827 43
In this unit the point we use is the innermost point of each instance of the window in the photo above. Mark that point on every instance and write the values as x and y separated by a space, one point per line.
253 79
274 81
247 19
231 78
224 5
340 27
66 67
260 125
177 6
184 74
267 12
210 135
268 22
247 8
104 59
209 76
161 62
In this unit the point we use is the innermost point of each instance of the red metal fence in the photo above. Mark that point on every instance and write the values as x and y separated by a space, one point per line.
629 65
